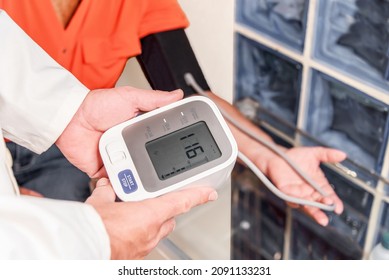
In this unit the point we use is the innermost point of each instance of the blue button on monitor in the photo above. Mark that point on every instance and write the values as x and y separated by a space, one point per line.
127 181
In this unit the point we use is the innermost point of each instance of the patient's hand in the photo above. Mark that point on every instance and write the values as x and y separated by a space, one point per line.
308 159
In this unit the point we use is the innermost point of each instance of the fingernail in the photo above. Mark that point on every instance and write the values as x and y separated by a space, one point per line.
213 196
176 91
338 210
323 222
102 182
343 153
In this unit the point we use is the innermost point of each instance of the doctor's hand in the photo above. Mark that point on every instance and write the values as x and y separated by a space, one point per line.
135 228
308 159
100 110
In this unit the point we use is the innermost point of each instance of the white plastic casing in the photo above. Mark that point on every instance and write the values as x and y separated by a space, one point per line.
121 168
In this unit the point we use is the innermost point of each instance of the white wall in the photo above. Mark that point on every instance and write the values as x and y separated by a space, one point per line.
211 36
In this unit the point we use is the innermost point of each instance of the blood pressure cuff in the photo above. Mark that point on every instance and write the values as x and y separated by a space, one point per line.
166 57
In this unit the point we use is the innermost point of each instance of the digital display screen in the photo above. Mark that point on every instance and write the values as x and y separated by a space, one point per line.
182 150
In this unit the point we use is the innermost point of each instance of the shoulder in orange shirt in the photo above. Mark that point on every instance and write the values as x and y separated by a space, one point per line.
101 35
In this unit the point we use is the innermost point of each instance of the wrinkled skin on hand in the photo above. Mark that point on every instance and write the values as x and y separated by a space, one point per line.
135 228
101 110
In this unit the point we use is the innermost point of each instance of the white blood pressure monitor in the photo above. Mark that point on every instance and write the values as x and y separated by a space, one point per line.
186 143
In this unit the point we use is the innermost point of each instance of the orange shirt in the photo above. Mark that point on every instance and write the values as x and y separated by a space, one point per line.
100 37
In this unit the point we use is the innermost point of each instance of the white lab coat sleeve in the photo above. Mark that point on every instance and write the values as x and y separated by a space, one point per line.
38 97
37 100
37 228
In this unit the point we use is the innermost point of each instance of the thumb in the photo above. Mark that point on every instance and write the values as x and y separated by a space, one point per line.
152 99
330 155
103 193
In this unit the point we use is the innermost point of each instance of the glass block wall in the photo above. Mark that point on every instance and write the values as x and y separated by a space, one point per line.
314 72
